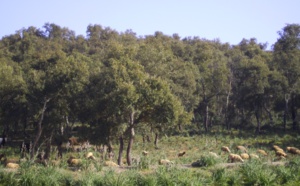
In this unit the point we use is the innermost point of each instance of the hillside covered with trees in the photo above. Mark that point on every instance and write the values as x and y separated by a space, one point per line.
115 85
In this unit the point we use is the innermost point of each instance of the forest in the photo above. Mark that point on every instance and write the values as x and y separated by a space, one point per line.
110 86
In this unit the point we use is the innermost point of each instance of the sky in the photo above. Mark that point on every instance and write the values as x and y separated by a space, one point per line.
226 20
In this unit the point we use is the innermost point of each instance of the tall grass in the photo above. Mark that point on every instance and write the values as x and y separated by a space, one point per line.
8 178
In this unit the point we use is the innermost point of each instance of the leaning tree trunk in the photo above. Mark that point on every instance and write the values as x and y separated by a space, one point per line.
40 129
121 140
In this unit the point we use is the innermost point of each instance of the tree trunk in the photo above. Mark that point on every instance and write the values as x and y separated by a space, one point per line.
156 139
205 102
130 143
179 127
270 116
258 121
59 149
227 108
148 139
206 118
121 140
294 117
48 147
131 137
40 129
285 111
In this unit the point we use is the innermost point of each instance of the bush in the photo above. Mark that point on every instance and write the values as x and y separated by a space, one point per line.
144 163
256 173
206 161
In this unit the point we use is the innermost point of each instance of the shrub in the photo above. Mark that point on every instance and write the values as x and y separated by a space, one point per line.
255 173
206 161
144 163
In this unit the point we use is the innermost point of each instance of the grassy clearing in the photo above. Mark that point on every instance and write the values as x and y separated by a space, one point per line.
210 170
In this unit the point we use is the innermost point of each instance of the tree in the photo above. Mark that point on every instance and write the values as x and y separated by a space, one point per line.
12 93
287 60
250 80
162 57
50 74
131 97
212 81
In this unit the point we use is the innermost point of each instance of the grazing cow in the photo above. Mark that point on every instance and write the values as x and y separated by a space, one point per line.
165 162
145 153
180 154
293 150
12 165
90 156
241 148
72 161
73 141
225 149
234 158
262 152
110 164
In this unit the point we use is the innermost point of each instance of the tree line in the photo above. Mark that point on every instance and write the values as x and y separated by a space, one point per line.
117 83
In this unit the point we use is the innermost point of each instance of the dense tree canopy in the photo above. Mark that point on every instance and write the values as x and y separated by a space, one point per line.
117 84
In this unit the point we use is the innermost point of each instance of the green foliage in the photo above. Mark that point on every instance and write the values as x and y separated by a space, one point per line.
144 163
221 177
114 84
255 172
206 161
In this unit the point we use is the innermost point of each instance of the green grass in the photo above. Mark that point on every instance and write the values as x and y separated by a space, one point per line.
148 172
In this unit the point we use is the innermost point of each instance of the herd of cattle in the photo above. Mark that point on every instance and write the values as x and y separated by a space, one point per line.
244 155
73 145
